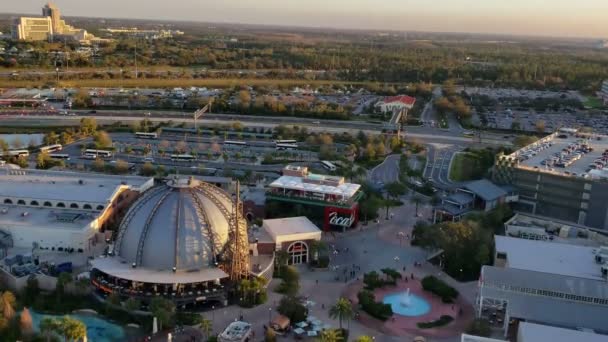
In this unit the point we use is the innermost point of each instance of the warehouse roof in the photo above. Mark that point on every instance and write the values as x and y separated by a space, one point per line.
549 257
485 189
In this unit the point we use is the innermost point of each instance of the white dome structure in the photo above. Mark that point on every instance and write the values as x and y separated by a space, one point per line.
176 234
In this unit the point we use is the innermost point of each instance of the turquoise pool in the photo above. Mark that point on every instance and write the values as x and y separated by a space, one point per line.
98 329
417 306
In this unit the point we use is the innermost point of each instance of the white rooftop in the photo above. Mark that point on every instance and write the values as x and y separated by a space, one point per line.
290 226
472 338
114 266
549 257
530 332
65 186
15 217
345 190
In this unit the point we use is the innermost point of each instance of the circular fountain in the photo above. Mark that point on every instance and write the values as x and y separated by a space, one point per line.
407 304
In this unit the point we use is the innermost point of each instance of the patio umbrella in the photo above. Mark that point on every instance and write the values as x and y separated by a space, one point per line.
298 331
312 333
302 324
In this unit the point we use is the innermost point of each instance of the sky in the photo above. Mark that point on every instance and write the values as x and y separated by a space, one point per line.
560 18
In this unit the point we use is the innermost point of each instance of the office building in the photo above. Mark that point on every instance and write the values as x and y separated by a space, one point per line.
562 176
48 27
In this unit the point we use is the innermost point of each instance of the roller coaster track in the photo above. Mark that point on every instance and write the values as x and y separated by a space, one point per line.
206 228
177 218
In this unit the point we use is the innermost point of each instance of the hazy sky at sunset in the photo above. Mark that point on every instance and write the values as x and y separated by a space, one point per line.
583 18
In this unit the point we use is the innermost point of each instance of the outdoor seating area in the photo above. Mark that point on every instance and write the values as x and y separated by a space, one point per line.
108 284
312 327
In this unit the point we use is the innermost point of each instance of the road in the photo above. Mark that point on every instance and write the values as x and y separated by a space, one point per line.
387 172
438 165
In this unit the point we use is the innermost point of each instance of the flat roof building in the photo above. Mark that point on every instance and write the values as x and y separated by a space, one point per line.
530 332
561 176
331 194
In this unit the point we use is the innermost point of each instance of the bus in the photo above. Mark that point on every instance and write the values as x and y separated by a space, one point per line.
280 147
329 166
99 153
285 142
59 156
143 135
468 134
18 153
182 157
235 143
51 148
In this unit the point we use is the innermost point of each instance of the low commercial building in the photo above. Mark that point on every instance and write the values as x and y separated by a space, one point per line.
530 332
562 176
63 210
479 195
396 103
293 235
328 200
533 227
549 283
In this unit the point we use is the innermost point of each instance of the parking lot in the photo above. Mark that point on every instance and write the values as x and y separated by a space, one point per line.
527 121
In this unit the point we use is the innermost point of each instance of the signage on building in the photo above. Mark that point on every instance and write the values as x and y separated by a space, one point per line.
340 218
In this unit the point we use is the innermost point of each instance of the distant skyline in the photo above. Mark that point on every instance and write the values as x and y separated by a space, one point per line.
558 18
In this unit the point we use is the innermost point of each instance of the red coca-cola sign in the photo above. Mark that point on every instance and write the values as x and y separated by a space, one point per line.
341 218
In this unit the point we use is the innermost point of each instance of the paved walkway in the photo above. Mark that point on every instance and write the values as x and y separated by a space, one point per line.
371 247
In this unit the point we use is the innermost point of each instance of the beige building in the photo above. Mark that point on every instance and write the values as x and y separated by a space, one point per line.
48 27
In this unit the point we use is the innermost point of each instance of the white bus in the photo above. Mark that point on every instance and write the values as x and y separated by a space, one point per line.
285 142
51 148
329 166
59 156
182 157
99 153
144 135
280 147
18 153
234 143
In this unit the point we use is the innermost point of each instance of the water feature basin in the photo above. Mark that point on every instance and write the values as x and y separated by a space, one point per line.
98 329
407 304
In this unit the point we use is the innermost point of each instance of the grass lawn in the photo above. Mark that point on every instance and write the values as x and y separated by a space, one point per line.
464 167
593 102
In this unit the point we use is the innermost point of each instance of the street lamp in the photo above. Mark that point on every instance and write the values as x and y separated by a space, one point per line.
57 72
269 315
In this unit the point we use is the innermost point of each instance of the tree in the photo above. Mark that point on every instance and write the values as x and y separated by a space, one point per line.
121 167
49 326
181 146
98 165
364 338
4 146
88 126
25 322
540 126
281 258
132 304
480 327
331 335
316 248
147 169
206 327
395 189
292 308
64 279
342 310
7 303
103 140
73 329
163 310
417 200
270 335
42 159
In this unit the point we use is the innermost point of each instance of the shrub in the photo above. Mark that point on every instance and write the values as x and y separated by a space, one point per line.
291 282
440 288
480 327
372 280
292 308
375 309
443 320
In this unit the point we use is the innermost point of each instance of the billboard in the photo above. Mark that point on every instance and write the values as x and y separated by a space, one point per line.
341 218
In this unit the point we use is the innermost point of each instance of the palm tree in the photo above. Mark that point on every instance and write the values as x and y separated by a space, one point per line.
48 326
331 335
417 200
342 310
206 327
316 248
73 329
281 258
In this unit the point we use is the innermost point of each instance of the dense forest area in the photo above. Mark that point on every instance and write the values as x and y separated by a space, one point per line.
339 57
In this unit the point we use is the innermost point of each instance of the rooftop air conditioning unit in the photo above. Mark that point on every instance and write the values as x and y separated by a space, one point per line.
25 213
604 269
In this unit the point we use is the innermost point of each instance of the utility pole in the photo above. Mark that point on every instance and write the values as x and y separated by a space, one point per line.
135 58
